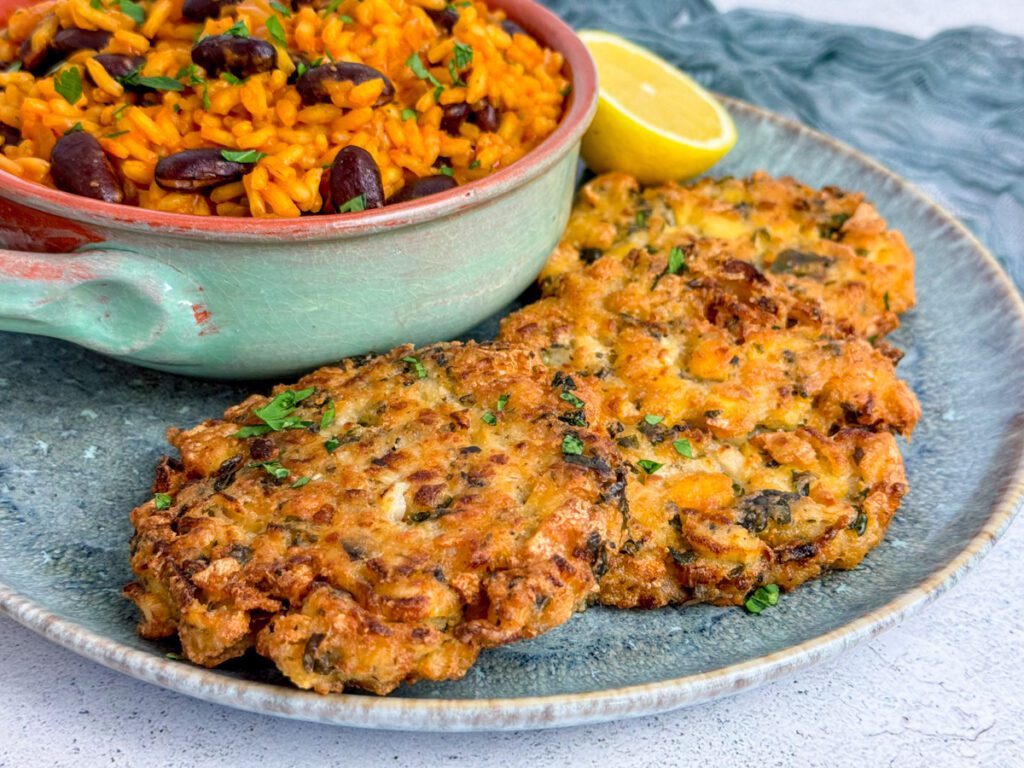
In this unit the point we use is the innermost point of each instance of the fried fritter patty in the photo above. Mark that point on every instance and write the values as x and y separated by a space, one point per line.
827 248
381 521
757 428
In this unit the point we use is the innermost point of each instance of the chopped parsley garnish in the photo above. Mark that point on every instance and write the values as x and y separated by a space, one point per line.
676 264
415 366
74 129
96 4
231 79
648 466
115 134
277 414
332 444
416 65
68 84
300 482
409 114
502 402
463 56
162 500
886 299
446 170
206 96
15 67
641 218
134 11
174 656
347 19
328 418
474 165
354 205
301 68
577 418
276 30
242 155
158 83
274 469
284 10
489 418
331 8
860 523
192 73
252 430
683 448
238 29
570 398
565 91
653 419
572 445
764 597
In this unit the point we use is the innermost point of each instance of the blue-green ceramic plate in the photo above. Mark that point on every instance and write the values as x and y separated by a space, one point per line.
79 436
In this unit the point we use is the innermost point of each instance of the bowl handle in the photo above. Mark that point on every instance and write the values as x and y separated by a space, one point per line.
114 301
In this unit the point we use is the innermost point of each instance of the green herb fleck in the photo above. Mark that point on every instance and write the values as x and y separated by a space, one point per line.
415 366
653 419
502 402
683 448
15 67
68 84
648 466
174 656
276 30
192 73
463 56
332 444
328 418
331 8
347 19
641 218
96 4
242 155
231 79
301 68
274 469
886 299
284 10
206 96
354 205
134 11
566 91
416 65
676 264
162 500
299 483
453 73
115 134
238 29
572 445
489 418
252 430
570 398
860 523
76 128
156 83
764 597
446 170
409 114
277 414
474 165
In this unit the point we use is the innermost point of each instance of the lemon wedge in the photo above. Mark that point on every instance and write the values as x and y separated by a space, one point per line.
652 121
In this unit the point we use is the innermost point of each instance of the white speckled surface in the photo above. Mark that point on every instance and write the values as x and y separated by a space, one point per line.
944 689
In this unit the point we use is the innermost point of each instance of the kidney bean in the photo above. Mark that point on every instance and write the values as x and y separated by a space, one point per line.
79 166
312 84
10 135
198 10
352 174
454 116
241 56
428 185
119 64
67 41
195 169
486 116
444 19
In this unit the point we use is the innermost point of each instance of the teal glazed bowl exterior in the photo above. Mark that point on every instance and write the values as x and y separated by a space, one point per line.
238 298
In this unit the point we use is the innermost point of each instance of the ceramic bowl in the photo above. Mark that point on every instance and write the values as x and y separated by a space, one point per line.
256 298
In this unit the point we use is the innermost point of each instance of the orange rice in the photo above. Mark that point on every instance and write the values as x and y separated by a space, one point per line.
265 113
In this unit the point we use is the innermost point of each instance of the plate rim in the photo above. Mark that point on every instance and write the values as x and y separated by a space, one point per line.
566 709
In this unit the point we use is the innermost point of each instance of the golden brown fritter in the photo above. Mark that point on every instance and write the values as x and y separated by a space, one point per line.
381 521
827 248
757 428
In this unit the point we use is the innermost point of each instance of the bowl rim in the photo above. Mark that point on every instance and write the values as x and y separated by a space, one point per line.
537 20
